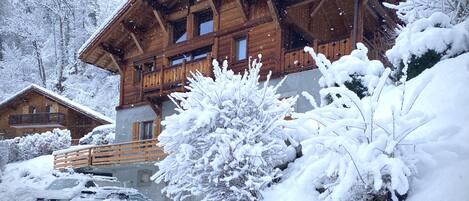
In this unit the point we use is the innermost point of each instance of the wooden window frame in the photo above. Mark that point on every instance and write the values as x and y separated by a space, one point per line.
171 32
137 69
196 25
234 49
142 130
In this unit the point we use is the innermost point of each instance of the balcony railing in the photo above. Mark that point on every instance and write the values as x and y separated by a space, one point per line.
115 154
174 77
298 60
37 119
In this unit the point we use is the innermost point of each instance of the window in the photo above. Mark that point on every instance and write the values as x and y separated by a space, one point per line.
149 66
241 49
32 110
50 109
146 130
204 22
179 59
179 31
137 74
193 55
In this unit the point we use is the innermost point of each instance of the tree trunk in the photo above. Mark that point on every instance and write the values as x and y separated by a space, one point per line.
40 65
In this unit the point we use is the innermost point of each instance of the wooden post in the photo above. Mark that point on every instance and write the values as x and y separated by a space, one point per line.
90 161
357 32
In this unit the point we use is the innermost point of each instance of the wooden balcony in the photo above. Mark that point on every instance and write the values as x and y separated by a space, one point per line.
115 154
174 78
37 120
297 60
164 81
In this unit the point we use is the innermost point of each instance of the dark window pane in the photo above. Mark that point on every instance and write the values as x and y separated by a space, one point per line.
150 66
204 23
241 49
137 74
146 130
201 53
179 59
179 31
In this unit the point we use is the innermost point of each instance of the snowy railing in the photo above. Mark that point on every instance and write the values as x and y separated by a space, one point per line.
37 118
173 77
131 152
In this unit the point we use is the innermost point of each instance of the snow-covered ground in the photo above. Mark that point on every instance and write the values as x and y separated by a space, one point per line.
442 173
20 180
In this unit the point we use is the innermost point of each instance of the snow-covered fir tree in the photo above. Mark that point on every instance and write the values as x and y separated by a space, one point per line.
411 10
226 141
40 42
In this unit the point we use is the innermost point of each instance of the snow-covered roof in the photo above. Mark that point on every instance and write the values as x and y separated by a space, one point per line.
107 23
61 99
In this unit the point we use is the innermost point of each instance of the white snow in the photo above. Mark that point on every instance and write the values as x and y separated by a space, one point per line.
63 100
341 71
104 25
225 143
433 33
104 134
20 180
441 149
72 149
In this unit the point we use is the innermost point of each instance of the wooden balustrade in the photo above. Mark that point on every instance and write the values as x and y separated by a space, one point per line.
37 119
298 60
334 50
175 76
131 152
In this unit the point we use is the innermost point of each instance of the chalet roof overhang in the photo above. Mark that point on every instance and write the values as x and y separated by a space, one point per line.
102 42
21 95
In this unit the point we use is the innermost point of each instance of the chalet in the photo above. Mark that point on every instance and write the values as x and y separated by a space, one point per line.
155 44
36 109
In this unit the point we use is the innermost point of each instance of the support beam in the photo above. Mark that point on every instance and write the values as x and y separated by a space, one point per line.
300 29
161 21
273 11
240 6
134 30
301 3
213 6
117 63
137 42
115 51
317 8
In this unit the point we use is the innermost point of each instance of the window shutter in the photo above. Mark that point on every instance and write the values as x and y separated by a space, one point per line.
156 127
135 131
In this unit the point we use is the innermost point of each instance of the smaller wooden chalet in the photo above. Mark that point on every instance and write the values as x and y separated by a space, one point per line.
36 109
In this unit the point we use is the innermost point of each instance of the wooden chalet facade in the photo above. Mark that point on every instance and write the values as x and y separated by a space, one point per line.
36 110
155 44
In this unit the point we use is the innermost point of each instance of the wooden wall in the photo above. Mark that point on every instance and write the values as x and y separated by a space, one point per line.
77 123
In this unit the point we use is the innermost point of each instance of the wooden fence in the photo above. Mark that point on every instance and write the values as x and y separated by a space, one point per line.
131 152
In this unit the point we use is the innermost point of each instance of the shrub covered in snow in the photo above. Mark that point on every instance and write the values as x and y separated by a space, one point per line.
225 142
100 135
354 71
351 152
31 146
423 43
412 10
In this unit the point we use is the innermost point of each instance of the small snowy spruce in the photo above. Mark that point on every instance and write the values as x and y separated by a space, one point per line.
226 141
352 152
424 42
354 71
100 135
